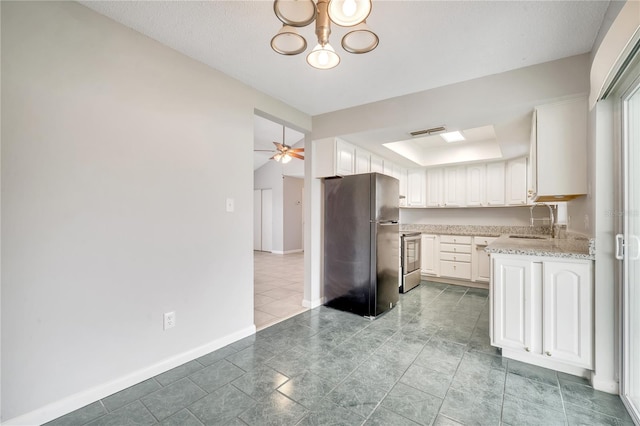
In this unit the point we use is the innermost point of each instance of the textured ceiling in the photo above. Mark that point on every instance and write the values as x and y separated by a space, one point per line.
423 44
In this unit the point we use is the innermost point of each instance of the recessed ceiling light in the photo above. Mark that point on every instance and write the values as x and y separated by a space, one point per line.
452 136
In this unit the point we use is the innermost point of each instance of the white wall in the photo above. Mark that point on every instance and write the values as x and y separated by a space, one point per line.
114 182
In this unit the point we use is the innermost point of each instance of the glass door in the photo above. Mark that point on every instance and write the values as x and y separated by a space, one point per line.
629 250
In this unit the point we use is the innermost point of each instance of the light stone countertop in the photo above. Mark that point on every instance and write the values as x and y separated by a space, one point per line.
574 246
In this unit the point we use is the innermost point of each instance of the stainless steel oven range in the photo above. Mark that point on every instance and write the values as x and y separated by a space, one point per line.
411 250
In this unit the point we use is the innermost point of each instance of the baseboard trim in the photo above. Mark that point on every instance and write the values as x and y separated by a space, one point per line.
312 303
608 385
287 251
67 405
475 284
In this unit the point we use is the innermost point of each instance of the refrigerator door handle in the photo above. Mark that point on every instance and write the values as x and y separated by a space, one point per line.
385 222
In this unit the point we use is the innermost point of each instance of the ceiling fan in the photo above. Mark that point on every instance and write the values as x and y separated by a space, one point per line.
284 152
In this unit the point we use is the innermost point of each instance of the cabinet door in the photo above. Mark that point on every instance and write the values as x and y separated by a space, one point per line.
434 187
401 175
416 188
495 184
377 164
517 181
567 312
532 174
512 298
480 259
388 168
454 186
363 161
476 185
345 158
430 254
561 148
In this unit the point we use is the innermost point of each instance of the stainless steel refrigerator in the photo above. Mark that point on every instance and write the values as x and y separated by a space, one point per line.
361 243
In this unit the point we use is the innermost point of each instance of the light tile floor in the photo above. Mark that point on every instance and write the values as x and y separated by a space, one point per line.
426 362
278 287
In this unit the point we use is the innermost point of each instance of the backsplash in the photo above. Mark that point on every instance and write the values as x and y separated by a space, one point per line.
480 230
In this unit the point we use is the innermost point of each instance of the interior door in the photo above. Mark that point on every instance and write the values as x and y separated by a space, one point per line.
257 219
262 219
629 250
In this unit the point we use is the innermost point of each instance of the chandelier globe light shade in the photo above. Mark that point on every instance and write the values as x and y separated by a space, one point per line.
346 13
285 159
297 13
323 57
288 41
360 39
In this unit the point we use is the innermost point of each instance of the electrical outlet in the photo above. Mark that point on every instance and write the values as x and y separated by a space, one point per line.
169 320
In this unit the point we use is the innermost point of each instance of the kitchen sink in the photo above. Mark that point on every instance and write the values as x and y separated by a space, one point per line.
529 237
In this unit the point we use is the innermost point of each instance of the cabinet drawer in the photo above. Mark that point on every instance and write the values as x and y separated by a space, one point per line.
455 270
456 257
455 239
484 241
454 248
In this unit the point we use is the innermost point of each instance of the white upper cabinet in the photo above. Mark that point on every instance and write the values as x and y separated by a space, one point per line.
363 161
376 164
495 184
559 151
455 184
333 157
476 189
416 188
345 158
516 183
434 188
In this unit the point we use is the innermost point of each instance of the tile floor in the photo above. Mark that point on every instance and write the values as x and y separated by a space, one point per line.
278 287
426 362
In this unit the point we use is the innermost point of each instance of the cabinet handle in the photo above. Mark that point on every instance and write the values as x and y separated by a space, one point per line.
527 349
454 258
548 353
454 266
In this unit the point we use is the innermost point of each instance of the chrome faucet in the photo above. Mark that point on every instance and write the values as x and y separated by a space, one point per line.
551 218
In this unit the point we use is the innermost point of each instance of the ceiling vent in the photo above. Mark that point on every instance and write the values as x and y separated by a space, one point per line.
428 131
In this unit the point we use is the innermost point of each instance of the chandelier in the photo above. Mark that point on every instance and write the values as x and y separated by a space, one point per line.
345 13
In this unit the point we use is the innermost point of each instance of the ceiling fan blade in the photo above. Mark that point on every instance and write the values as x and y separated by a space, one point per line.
294 155
296 150
279 146
262 150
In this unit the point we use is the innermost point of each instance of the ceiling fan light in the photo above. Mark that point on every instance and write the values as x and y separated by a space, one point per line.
286 158
278 156
348 13
323 57
297 13
288 41
360 39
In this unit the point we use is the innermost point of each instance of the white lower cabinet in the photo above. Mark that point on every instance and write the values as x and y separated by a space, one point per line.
430 255
480 259
541 311
455 256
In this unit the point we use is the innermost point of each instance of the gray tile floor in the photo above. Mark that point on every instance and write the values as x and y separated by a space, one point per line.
427 361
